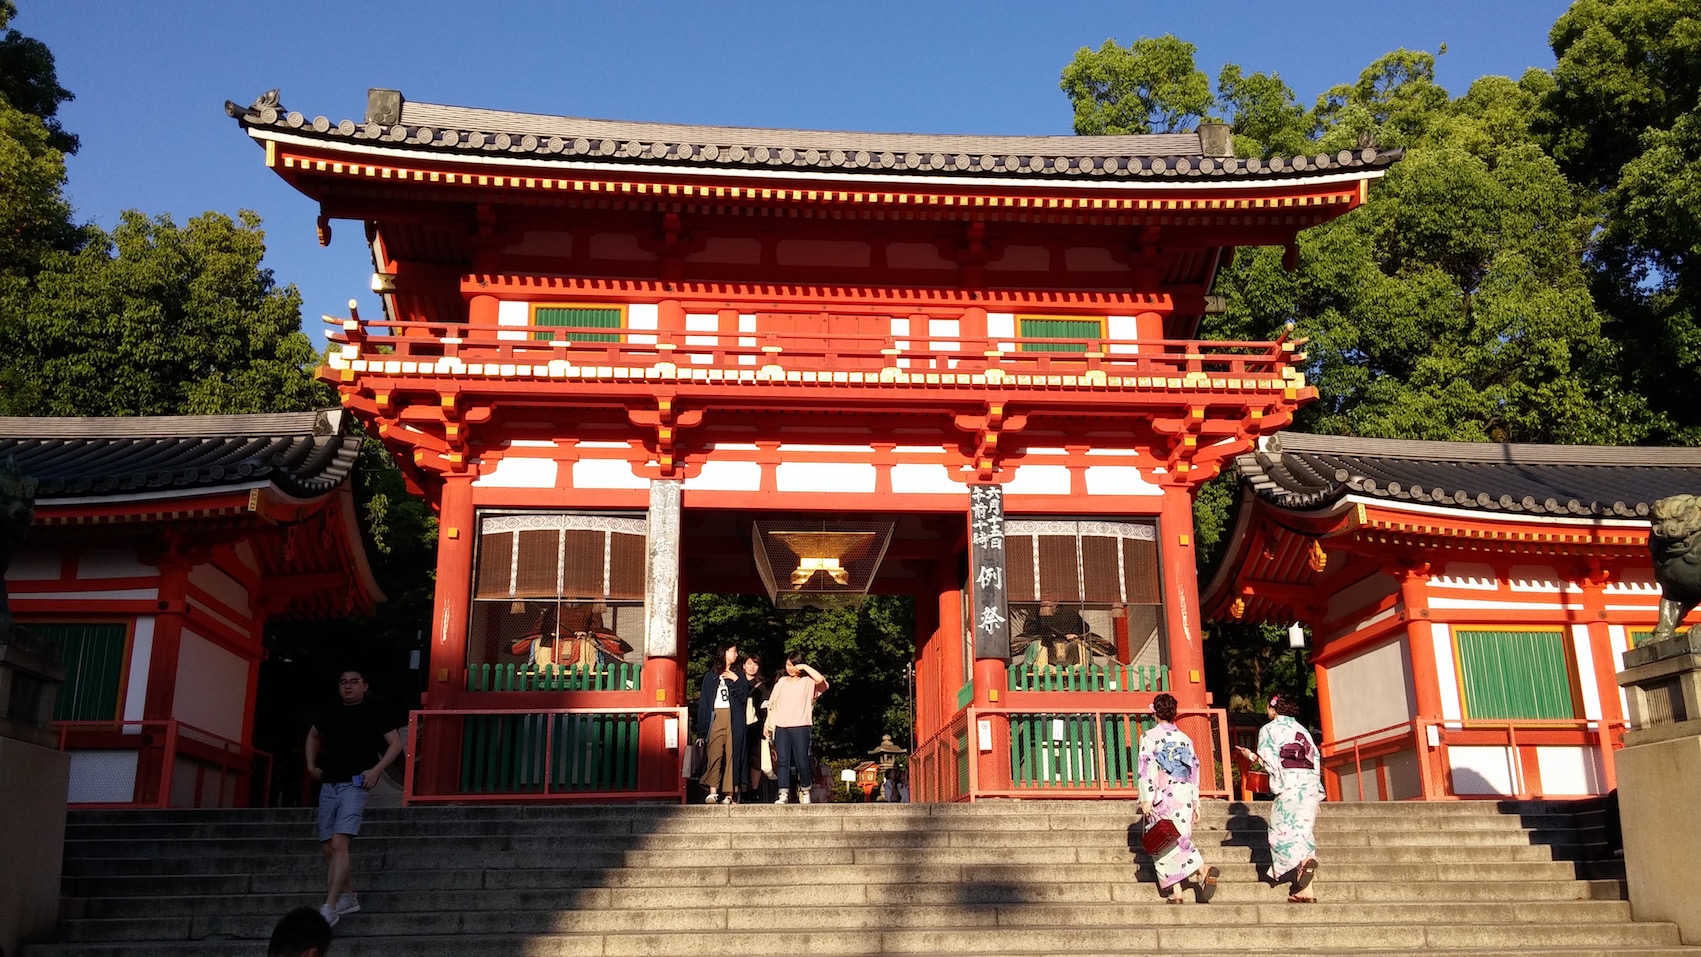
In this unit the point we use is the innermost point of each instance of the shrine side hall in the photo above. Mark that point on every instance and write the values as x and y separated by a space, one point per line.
625 361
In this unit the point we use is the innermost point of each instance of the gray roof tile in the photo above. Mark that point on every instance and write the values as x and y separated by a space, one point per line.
304 454
458 130
1307 472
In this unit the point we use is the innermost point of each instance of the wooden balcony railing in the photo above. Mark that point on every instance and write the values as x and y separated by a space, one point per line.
416 348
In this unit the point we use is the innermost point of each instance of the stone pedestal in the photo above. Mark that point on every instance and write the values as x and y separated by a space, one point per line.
34 775
1659 782
33 780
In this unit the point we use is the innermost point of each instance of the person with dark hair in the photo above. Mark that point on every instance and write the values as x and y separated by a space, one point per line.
723 696
348 747
791 711
1288 753
1168 772
300 933
755 718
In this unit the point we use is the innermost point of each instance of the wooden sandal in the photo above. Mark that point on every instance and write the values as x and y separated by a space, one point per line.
1302 878
1296 899
1208 884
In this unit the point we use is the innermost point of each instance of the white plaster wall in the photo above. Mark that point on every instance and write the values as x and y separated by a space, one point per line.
112 563
918 479
1039 480
34 566
726 477
1119 480
1371 691
517 472
102 777
211 690
1583 653
513 314
1361 594
824 477
1446 672
1481 770
1620 637
221 586
607 473
1571 770
136 679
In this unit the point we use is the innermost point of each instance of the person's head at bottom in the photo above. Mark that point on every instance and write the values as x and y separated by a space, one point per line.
1164 707
301 933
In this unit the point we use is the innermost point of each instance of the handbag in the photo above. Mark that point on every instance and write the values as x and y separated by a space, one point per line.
1160 838
696 758
767 759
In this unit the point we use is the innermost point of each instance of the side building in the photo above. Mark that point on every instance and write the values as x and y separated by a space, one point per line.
162 546
1468 602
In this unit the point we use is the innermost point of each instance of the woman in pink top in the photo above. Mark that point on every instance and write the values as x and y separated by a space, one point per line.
791 710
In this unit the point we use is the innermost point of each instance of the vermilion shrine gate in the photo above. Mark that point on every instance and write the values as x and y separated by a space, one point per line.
629 361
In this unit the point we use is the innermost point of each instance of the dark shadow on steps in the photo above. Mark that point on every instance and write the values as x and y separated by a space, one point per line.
1576 831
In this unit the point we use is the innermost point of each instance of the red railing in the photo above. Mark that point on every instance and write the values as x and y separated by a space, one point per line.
546 754
1069 753
160 764
770 355
1429 743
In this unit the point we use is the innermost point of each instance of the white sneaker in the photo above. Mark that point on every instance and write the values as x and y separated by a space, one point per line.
713 798
329 913
784 796
347 904
803 796
728 800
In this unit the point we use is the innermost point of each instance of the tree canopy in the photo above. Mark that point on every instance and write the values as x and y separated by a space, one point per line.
1526 273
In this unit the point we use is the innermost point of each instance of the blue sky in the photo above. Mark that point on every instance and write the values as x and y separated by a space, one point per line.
151 76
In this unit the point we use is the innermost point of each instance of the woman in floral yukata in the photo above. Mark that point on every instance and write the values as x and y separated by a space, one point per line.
1288 753
1169 790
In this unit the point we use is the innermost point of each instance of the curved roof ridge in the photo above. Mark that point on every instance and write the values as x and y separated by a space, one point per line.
1508 453
415 113
318 422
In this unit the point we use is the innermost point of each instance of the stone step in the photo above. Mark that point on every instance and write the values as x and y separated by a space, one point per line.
1209 937
744 918
195 824
123 906
509 869
817 849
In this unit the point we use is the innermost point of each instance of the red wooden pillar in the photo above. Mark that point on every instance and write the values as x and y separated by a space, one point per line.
439 758
1606 675
1181 601
152 771
1426 678
1331 782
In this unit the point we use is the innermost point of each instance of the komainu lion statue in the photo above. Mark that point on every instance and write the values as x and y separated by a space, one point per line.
1676 544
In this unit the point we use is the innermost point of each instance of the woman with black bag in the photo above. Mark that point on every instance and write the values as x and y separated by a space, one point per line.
720 722
1169 800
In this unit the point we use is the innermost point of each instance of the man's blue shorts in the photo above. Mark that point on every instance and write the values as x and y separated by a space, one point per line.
340 807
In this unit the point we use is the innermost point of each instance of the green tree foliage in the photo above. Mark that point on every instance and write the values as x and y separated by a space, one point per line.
1621 119
29 82
1511 279
153 319
863 652
35 219
1149 86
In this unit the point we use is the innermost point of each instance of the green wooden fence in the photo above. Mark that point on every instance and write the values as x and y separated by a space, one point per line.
1062 750
1089 678
519 753
512 677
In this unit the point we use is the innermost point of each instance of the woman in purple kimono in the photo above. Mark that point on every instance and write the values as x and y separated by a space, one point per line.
1169 791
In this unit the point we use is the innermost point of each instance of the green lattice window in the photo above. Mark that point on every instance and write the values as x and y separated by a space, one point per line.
1085 329
580 317
93 656
1516 675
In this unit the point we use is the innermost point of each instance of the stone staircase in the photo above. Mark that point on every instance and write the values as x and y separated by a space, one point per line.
994 878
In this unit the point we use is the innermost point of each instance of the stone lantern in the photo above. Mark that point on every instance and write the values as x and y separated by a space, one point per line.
887 753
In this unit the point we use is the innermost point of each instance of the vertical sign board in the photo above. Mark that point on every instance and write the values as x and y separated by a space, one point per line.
986 572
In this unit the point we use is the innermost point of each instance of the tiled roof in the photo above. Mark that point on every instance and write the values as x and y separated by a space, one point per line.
457 130
1312 472
304 454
